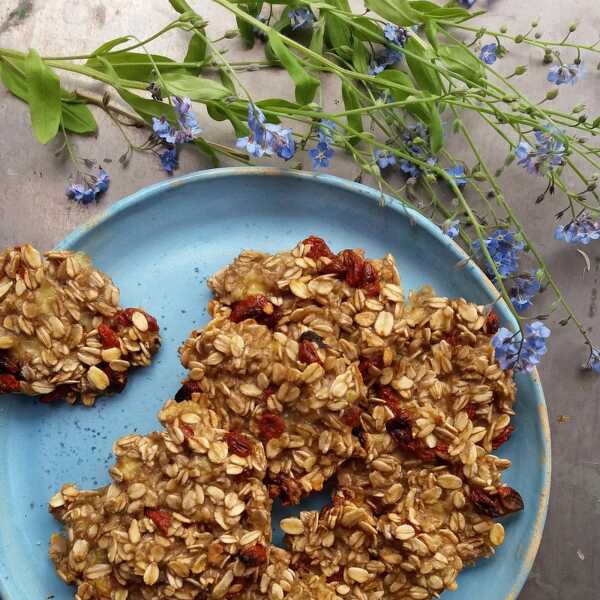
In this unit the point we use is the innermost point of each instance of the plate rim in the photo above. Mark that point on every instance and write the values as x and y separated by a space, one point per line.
71 240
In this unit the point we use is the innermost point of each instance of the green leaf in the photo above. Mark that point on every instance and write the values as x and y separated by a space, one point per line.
360 57
78 118
436 129
365 29
247 30
399 12
317 40
135 66
463 62
43 97
431 31
196 88
220 112
306 84
108 46
441 13
425 76
196 52
147 108
181 6
407 92
14 79
352 101
338 35
227 81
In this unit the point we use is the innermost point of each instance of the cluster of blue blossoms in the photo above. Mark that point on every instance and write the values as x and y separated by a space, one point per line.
581 230
563 74
322 153
87 192
505 248
548 153
521 352
390 55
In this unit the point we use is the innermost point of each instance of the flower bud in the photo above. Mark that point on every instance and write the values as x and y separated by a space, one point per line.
552 94
520 70
519 39
578 108
572 27
232 33
503 29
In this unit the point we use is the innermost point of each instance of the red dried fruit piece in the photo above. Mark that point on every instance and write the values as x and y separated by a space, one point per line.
254 556
8 365
492 323
238 443
60 393
108 336
307 353
452 339
188 432
124 318
271 425
186 390
9 384
284 488
359 432
389 396
311 336
318 248
257 307
510 499
370 280
351 416
441 449
215 554
118 379
355 265
502 437
471 410
485 503
267 393
161 518
400 429
418 447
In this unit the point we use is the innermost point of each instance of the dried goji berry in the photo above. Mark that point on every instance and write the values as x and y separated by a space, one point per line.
502 437
152 323
9 384
7 364
492 323
238 443
108 337
354 265
510 499
257 307
161 518
370 280
389 396
351 416
311 336
318 248
254 556
271 425
124 318
307 353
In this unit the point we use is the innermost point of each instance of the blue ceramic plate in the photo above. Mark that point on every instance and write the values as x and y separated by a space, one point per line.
159 246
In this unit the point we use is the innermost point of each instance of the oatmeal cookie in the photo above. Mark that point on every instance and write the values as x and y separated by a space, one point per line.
62 332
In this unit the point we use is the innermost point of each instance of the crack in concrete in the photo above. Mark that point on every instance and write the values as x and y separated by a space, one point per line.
16 16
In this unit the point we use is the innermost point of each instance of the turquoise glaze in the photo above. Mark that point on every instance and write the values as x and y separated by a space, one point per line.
159 245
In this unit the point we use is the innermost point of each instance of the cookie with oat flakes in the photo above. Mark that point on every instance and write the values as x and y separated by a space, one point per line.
186 515
62 331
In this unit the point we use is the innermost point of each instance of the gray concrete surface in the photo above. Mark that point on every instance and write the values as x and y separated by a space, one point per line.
33 208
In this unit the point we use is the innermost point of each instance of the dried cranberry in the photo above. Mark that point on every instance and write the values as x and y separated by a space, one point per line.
365 364
502 437
108 337
7 364
123 317
311 336
152 323
238 443
370 280
510 499
420 449
355 265
400 429
161 518
471 410
452 339
118 379
351 416
389 396
271 425
257 307
9 384
307 353
267 394
186 390
188 432
492 323
254 556
486 504
59 393
318 248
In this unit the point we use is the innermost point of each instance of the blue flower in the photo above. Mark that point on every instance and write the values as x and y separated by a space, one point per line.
395 34
548 154
563 74
386 58
300 17
416 139
163 130
452 228
522 353
266 138
593 361
168 160
458 174
89 191
321 155
467 3
189 128
488 54
523 290
581 230
384 158
326 131
504 248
